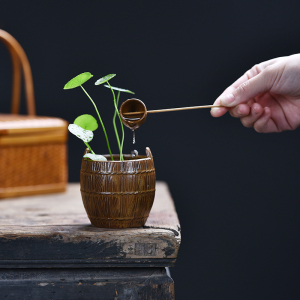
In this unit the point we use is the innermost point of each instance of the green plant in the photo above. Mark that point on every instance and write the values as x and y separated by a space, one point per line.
112 88
79 80
116 103
88 122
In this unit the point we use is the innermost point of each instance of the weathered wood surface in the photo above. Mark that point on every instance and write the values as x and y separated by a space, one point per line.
121 284
54 231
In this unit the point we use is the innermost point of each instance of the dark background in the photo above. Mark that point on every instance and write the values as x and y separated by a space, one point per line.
236 191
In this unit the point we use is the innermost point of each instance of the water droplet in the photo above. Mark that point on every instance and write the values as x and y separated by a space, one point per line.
134 153
133 139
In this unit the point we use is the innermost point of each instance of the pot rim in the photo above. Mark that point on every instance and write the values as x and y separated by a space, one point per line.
143 157
148 156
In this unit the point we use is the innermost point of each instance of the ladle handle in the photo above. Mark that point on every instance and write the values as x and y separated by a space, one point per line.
171 109
182 108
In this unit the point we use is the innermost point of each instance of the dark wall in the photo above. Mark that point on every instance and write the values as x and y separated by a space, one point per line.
236 191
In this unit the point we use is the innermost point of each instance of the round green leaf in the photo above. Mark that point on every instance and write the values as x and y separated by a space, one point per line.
119 89
85 135
95 157
78 80
105 79
86 122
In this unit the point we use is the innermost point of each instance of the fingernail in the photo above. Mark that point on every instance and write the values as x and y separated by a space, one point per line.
214 110
255 110
227 100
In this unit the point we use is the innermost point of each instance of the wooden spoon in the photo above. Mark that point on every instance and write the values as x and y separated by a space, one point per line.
133 112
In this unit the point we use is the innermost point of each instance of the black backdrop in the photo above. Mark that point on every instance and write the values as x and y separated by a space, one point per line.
236 191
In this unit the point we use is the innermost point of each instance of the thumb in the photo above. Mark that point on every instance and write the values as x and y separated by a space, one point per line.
249 89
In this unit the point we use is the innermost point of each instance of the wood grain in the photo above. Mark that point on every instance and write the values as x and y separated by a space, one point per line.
92 284
118 194
54 230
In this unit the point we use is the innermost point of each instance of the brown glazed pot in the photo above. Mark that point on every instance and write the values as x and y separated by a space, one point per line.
118 194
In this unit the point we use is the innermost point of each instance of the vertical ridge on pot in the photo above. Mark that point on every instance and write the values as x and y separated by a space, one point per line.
118 194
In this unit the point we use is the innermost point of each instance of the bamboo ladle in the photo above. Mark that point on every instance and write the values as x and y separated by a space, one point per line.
133 112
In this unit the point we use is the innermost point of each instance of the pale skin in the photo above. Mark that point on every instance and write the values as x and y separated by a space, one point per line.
266 97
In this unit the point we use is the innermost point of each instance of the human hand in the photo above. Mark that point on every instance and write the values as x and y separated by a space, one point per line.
267 97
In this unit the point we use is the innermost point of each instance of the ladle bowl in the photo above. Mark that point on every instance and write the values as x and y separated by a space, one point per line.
139 110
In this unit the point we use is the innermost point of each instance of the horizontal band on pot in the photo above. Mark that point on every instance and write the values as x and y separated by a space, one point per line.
119 173
114 219
119 193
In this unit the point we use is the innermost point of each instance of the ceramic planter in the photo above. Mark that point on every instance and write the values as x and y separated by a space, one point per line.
118 194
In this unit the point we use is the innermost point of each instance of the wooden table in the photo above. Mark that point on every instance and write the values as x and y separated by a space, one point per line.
49 250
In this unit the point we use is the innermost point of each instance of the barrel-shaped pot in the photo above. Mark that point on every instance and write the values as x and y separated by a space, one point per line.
118 194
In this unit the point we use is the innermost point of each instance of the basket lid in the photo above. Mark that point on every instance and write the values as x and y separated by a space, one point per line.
23 129
16 124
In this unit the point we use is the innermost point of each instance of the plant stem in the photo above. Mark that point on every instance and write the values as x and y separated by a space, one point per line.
89 147
111 156
123 135
115 127
117 112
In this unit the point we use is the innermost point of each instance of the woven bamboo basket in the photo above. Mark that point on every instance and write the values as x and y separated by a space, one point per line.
118 194
33 153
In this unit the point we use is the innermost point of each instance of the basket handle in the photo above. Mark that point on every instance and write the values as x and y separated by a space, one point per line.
19 60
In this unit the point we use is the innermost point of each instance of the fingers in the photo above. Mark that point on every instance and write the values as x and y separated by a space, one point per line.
220 111
240 111
255 70
263 123
243 90
249 89
259 118
255 116
255 113
254 82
